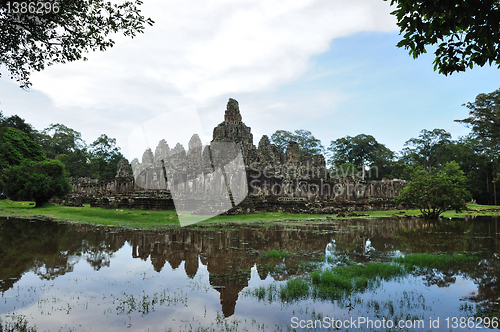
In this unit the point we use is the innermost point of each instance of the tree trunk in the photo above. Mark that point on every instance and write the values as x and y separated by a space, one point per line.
488 187
432 214
39 202
495 193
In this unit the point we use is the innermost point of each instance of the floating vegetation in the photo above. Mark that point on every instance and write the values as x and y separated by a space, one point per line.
337 282
331 283
294 289
431 261
59 276
146 303
307 266
343 280
17 323
276 254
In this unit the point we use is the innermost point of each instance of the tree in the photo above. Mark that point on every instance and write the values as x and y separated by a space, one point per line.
58 139
77 164
17 147
104 157
468 152
308 144
39 181
344 170
62 31
15 121
361 150
105 147
484 121
436 192
429 150
484 116
401 170
467 32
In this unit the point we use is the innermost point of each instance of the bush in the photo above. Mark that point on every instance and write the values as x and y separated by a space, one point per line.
38 181
437 192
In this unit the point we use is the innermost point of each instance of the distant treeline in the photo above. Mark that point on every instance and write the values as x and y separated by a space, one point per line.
477 154
20 142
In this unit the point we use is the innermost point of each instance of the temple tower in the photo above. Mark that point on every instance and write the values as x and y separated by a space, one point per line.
234 130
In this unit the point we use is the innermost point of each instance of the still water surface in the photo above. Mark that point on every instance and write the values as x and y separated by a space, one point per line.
64 277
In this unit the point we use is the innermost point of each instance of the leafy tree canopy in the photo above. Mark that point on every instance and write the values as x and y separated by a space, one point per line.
104 147
15 121
484 116
17 147
401 170
308 144
76 163
58 139
105 156
39 181
355 149
428 150
436 192
32 37
359 150
344 170
466 33
482 148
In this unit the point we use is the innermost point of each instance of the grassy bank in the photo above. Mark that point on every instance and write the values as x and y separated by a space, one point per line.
131 218
94 216
148 219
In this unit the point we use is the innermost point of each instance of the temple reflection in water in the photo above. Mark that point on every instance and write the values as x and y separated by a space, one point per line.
229 252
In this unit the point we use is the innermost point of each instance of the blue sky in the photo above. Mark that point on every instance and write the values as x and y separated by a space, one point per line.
330 67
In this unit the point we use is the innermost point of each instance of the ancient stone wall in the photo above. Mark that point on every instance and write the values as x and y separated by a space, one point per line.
274 179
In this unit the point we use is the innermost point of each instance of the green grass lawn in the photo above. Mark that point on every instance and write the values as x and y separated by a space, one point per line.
473 210
148 219
131 218
95 216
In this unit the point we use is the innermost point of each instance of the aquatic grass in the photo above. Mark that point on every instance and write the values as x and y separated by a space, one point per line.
343 280
294 289
18 323
276 254
329 259
145 303
431 261
307 266
260 292
331 283
274 269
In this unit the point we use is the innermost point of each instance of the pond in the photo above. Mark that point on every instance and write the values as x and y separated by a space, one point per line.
62 277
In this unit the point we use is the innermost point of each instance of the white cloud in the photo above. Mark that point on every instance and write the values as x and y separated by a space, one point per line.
198 51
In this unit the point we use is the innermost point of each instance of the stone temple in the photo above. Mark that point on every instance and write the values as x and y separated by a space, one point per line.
273 179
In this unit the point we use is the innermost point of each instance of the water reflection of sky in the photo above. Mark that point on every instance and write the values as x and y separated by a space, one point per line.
87 297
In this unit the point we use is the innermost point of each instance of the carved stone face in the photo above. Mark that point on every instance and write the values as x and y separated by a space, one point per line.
232 111
123 168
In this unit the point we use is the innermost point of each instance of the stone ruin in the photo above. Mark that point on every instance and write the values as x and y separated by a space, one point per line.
275 180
